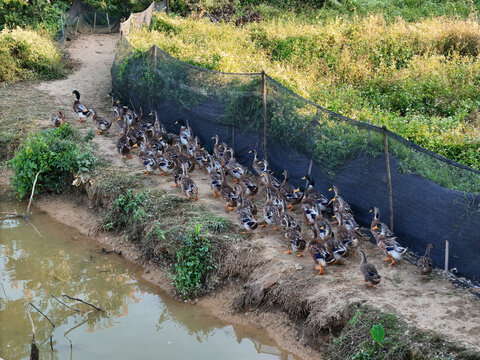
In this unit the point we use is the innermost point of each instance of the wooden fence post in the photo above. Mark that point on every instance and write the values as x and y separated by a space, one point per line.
264 80
167 6
389 175
94 21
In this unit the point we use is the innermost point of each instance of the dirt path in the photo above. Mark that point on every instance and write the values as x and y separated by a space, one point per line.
433 304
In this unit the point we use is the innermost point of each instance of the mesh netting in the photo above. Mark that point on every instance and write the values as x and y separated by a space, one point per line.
84 19
434 199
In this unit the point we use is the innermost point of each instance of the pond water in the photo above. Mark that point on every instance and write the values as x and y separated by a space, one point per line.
44 258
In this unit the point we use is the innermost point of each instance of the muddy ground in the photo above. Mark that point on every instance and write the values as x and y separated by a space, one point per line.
434 304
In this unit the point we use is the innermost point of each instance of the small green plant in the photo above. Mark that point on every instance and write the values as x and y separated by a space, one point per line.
56 154
378 334
194 263
127 209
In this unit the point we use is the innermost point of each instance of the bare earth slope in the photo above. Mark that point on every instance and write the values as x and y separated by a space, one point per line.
431 304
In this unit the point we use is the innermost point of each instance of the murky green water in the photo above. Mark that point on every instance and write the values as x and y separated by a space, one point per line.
46 258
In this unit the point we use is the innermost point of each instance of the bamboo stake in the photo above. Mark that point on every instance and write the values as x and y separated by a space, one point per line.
447 254
389 175
108 22
94 21
76 27
155 57
309 171
34 352
167 5
27 216
264 80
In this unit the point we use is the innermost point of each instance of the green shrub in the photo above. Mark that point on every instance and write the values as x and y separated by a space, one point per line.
194 263
26 54
127 210
56 154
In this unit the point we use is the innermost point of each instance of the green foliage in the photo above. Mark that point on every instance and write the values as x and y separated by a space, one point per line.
39 14
378 333
194 263
56 154
26 54
127 209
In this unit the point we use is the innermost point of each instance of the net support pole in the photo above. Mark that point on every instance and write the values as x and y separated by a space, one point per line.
309 171
76 26
167 6
94 21
389 175
154 57
264 92
447 254
108 22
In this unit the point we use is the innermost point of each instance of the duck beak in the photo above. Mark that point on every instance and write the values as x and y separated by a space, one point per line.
296 190
370 210
304 178
330 189
250 152
375 227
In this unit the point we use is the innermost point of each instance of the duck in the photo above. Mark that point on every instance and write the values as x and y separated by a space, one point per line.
389 245
248 186
185 132
309 209
102 123
124 145
274 194
57 118
215 176
295 241
166 163
273 180
218 149
344 234
332 244
227 193
271 213
81 110
248 203
247 219
287 220
149 163
257 164
189 187
369 271
340 205
315 195
116 107
233 166
288 191
425 263
320 255
376 222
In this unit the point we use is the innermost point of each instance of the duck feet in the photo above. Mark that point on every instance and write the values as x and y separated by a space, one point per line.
264 224
320 269
275 228
300 255
290 207
196 197
147 173
288 252
175 185
244 231
129 156
215 193
99 132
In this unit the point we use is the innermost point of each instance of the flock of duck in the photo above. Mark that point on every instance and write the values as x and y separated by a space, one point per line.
178 155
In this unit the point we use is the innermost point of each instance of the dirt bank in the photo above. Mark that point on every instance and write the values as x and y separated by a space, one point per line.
290 301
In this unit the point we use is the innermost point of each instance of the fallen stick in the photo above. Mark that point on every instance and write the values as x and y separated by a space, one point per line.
46 317
34 352
61 302
86 303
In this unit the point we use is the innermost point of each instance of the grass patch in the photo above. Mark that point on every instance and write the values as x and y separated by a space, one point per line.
167 230
27 54
362 338
56 154
417 78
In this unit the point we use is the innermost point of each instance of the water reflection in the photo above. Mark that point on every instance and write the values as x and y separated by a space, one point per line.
48 259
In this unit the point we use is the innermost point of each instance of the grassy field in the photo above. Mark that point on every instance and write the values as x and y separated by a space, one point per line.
416 75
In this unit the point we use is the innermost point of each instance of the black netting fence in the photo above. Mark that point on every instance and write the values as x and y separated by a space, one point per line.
434 199
84 19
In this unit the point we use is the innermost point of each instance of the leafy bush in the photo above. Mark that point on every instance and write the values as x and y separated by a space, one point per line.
56 154
194 263
26 54
128 210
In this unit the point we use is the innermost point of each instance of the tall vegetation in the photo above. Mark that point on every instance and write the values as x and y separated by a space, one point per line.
417 78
